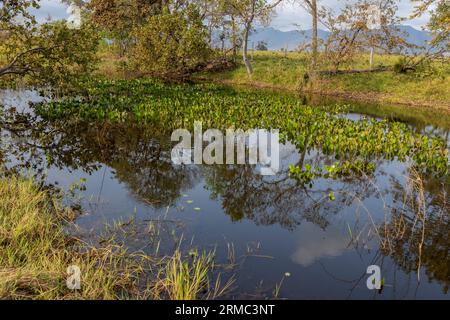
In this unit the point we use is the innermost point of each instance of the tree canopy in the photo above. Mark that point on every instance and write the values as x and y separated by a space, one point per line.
50 53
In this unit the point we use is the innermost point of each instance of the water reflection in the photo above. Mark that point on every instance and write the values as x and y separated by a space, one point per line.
417 234
306 226
314 243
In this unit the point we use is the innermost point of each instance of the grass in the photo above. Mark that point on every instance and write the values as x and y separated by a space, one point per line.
186 280
35 252
271 69
183 281
389 87
280 71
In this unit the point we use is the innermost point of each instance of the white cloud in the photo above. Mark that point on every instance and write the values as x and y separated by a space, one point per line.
53 9
288 15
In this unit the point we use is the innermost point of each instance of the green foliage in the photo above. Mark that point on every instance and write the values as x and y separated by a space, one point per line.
420 67
261 46
45 54
70 54
355 145
117 18
400 65
17 10
171 43
440 24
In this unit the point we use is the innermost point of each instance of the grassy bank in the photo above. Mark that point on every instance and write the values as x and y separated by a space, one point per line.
280 71
35 252
383 94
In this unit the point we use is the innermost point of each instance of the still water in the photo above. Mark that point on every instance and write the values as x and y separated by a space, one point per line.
266 231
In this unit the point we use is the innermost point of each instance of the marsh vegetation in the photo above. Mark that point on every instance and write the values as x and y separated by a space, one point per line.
87 178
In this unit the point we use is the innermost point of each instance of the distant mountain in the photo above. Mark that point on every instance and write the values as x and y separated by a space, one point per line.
417 37
277 39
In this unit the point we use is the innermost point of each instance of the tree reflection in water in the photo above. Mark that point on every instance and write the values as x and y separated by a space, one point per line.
140 158
417 233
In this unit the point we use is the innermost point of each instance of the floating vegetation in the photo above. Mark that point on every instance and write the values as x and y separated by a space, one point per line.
356 145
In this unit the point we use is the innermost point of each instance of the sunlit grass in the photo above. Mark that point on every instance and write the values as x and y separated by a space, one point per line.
286 71
35 252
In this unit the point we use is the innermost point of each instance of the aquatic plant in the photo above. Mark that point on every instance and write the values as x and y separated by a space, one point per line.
356 145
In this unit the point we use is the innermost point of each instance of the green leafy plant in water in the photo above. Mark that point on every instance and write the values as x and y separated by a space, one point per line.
355 145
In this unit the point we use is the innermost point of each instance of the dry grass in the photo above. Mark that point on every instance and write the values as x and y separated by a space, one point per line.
35 252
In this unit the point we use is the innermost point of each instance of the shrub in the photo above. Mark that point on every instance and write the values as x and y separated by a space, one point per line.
171 43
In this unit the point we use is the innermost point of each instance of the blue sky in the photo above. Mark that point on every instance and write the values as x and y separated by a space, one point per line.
288 15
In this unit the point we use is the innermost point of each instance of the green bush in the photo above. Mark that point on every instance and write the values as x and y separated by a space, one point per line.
171 43
400 65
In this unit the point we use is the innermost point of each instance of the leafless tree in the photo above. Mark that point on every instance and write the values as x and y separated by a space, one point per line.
248 12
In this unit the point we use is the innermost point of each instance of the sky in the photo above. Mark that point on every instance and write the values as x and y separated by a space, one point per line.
288 16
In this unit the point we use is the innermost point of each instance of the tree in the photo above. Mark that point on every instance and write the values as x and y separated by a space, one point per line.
439 23
249 12
118 18
51 53
351 32
312 9
12 31
261 46
227 20
171 44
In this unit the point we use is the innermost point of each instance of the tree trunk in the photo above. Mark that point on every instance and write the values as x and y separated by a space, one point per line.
314 43
247 63
233 37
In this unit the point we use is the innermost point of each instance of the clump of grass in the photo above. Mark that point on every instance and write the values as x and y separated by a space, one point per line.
29 257
35 252
187 279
